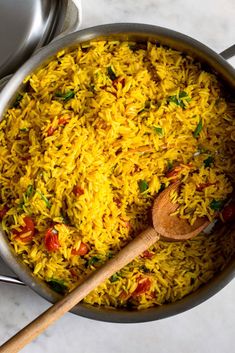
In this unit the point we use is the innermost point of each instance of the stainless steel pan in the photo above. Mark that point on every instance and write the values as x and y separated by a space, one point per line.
137 32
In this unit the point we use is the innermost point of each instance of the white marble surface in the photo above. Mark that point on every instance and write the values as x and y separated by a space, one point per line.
208 328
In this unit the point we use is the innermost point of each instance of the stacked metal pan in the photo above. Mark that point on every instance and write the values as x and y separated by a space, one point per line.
27 25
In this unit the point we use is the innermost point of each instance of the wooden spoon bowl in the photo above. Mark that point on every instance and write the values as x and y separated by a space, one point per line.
172 227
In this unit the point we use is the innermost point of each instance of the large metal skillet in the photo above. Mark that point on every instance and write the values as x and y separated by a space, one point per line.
136 32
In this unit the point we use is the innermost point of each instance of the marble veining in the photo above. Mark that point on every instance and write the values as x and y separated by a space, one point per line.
208 328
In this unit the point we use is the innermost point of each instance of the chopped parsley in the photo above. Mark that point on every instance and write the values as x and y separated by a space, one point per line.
28 193
180 99
111 73
64 217
169 165
24 129
65 96
147 106
208 161
114 278
110 255
93 260
58 286
159 131
143 185
30 190
47 202
144 269
21 204
216 205
17 100
198 129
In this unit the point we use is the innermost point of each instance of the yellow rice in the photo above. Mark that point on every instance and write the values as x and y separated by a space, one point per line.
135 116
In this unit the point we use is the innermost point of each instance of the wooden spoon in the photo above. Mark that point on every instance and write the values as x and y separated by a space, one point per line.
173 227
170 228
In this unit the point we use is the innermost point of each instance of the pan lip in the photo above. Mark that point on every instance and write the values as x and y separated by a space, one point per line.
7 253
93 33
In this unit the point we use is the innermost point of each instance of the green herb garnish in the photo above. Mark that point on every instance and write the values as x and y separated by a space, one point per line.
143 185
58 286
198 129
28 193
183 94
21 204
110 255
111 73
169 165
65 96
93 261
17 100
64 217
159 131
144 269
114 278
207 162
147 106
24 129
44 199
30 190
179 100
216 205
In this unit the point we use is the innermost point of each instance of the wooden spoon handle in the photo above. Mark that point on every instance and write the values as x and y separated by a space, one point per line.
126 255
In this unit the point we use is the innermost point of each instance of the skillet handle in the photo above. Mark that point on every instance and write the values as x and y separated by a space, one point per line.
228 53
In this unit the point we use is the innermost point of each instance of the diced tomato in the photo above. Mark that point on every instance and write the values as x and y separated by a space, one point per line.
29 224
202 186
50 131
143 286
147 254
26 232
83 250
228 212
3 211
63 120
51 240
78 191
